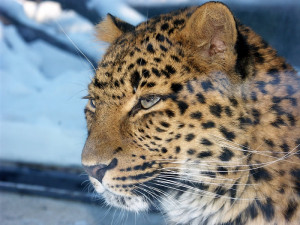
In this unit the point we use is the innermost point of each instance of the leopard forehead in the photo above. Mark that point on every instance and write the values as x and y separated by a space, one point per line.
145 59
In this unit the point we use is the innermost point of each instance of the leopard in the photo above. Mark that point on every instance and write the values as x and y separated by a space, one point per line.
193 113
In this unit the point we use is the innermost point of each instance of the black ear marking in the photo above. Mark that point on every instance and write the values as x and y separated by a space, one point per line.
120 24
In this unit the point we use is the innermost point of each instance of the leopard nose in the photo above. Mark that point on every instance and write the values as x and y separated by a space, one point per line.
98 171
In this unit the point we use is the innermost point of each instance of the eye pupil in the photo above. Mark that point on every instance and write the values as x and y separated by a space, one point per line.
149 101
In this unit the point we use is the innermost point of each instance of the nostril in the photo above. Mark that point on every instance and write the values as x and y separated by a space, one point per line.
98 171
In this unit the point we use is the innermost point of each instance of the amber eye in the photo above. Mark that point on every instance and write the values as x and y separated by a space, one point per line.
92 103
149 101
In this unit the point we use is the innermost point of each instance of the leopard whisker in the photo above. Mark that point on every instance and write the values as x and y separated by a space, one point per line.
144 196
113 217
108 210
236 165
260 152
204 163
174 201
205 193
194 162
156 197
162 192
77 48
86 184
166 181
206 177
198 181
190 178
119 217
255 165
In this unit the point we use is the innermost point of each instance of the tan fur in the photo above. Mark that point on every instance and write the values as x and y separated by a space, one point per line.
223 138
107 31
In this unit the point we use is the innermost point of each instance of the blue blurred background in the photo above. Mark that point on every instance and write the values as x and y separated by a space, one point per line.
48 52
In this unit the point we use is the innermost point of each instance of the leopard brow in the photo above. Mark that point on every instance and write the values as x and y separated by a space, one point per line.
162 97
88 97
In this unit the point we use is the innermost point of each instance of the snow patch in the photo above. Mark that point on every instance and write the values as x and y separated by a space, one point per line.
42 119
117 8
43 11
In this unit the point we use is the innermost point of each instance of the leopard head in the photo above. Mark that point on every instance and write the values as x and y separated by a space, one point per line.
170 106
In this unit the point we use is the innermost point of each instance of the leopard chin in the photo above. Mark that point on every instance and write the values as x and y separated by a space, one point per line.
130 203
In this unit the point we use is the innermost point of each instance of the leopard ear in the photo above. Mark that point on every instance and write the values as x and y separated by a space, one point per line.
111 28
211 31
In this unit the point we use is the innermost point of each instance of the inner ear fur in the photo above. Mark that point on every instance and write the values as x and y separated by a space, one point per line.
111 28
211 32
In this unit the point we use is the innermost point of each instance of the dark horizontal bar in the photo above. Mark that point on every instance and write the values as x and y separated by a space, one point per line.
59 182
69 183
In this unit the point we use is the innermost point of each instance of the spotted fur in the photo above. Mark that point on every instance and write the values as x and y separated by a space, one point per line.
220 146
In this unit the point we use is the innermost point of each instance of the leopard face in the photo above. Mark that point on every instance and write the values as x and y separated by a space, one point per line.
194 112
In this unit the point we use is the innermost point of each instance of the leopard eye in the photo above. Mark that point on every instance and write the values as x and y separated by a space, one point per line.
92 103
149 102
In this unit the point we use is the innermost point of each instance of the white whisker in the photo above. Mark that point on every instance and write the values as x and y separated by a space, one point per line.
62 29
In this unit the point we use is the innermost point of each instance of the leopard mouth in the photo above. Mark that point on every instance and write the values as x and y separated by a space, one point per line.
145 196
134 203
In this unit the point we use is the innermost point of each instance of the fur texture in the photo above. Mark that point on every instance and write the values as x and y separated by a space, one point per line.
194 112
